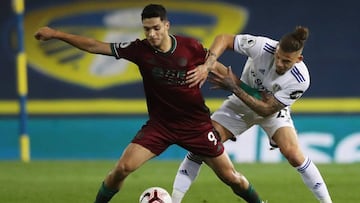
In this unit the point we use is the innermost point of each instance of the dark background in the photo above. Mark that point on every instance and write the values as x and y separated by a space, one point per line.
331 52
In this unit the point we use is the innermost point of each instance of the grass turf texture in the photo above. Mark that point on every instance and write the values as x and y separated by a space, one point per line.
78 182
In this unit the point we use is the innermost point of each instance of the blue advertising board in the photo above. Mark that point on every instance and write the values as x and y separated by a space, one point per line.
325 139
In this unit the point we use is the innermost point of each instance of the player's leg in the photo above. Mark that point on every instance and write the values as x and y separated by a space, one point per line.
225 170
133 157
187 172
280 129
190 167
286 139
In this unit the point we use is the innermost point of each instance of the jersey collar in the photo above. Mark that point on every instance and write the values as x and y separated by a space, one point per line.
172 48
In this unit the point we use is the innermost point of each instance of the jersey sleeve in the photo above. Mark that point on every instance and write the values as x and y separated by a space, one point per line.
248 45
199 53
295 89
290 95
126 50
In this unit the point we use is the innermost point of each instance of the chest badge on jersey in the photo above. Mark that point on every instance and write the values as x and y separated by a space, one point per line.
276 87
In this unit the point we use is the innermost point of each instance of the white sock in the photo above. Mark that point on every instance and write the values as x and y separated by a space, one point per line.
177 196
326 200
186 174
314 181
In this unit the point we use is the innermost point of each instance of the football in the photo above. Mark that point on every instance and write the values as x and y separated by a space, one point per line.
155 195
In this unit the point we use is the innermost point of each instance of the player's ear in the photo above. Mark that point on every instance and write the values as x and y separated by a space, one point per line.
300 58
167 24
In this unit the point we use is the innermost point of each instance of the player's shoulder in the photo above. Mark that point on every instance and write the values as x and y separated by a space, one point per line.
268 45
255 46
300 72
125 44
188 43
141 44
301 67
252 40
185 40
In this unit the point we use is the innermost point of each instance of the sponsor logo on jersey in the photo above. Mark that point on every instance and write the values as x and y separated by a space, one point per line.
296 94
262 71
116 22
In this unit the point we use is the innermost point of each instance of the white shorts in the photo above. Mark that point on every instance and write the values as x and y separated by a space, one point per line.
237 118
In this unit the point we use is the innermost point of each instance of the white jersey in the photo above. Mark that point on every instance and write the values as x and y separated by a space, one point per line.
259 71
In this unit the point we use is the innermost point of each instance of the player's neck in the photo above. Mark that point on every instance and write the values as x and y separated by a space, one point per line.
166 45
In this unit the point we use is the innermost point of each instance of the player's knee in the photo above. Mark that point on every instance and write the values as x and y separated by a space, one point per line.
293 155
122 170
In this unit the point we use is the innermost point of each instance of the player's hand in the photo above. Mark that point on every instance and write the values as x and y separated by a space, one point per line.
226 80
44 33
197 76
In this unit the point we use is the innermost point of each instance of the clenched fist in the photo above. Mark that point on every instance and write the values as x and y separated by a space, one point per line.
45 33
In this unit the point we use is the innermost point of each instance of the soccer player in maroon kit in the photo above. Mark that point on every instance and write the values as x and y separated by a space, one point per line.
177 113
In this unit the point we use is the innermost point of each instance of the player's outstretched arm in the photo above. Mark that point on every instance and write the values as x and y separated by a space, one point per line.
84 43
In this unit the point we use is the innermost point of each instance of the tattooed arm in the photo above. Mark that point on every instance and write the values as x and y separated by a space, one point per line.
229 81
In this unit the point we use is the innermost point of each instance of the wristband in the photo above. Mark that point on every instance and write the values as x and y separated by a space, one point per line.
251 91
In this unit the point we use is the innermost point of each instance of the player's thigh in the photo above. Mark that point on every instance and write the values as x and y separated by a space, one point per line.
224 133
287 141
285 137
272 125
152 137
134 156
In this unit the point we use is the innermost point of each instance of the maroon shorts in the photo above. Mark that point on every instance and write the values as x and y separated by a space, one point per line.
203 140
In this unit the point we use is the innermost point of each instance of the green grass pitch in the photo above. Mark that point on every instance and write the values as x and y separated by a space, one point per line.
78 182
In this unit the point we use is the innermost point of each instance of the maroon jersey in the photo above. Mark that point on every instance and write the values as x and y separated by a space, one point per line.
169 99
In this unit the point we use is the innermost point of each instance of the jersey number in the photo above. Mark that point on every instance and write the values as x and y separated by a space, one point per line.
212 137
282 113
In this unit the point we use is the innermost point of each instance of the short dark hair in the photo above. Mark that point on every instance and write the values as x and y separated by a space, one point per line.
153 11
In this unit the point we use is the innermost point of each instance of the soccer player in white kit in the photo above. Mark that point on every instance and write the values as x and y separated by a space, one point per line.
273 78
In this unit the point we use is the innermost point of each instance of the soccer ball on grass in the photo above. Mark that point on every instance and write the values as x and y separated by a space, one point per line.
155 195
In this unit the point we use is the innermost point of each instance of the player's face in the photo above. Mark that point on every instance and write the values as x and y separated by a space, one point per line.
285 60
156 31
